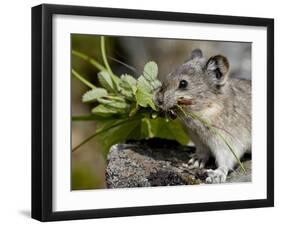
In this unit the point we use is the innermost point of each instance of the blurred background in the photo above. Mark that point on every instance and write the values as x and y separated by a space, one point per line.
89 162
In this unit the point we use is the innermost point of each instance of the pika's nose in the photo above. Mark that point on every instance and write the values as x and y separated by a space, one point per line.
158 99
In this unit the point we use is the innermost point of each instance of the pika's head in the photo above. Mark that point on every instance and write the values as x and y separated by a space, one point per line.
198 83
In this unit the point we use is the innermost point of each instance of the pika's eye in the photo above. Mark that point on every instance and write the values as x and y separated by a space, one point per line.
183 84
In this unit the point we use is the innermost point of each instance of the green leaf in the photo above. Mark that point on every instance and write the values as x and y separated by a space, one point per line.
150 71
128 86
94 94
116 81
146 130
129 95
156 84
128 81
134 109
117 134
106 81
149 78
171 130
104 111
143 93
121 105
112 97
144 85
144 99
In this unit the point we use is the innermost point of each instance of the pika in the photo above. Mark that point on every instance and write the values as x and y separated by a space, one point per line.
205 88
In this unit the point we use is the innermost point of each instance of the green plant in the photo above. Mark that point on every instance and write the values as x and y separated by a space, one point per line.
124 107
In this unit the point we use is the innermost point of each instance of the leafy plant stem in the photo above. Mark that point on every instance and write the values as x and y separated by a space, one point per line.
217 133
102 131
103 53
82 79
85 57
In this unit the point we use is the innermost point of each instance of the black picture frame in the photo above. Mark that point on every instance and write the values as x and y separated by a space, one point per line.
42 111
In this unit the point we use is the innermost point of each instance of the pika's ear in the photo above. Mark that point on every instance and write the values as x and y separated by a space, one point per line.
196 53
218 67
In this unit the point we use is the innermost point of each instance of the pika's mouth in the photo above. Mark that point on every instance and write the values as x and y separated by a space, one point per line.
173 111
185 101
182 101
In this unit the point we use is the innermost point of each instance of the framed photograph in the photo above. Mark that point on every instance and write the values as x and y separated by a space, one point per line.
147 112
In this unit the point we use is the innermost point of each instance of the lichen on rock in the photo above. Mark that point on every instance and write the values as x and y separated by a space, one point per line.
158 162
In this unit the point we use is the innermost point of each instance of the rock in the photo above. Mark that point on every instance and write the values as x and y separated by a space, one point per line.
158 162
239 175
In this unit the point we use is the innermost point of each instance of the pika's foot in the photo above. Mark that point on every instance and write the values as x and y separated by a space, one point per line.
216 176
197 161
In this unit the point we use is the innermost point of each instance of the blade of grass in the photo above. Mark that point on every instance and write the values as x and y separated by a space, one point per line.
82 79
204 122
102 131
92 61
124 64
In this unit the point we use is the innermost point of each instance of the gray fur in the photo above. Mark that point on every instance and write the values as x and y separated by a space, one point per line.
222 101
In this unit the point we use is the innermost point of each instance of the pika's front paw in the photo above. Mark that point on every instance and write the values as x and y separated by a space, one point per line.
216 176
197 161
